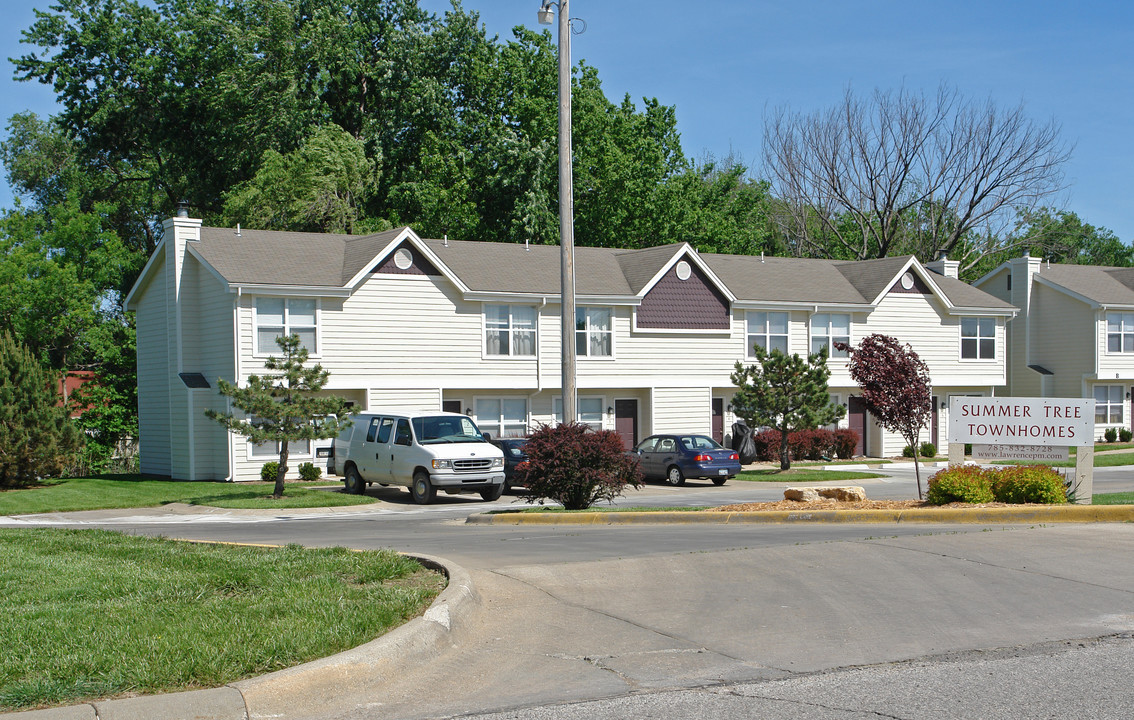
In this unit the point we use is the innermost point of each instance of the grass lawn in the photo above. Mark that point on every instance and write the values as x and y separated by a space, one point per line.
129 491
90 613
1118 498
1099 461
804 475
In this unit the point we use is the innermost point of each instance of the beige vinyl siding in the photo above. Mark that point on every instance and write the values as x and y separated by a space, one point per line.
1062 330
934 336
409 399
682 409
153 376
209 350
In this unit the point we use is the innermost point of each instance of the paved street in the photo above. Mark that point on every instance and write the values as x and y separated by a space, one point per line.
801 621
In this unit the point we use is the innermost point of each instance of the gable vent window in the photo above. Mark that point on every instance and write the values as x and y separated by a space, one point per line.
403 259
277 317
683 270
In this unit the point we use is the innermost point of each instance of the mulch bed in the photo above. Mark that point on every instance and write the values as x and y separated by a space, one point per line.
828 504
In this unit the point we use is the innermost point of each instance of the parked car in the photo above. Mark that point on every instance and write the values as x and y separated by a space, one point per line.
425 451
675 458
514 456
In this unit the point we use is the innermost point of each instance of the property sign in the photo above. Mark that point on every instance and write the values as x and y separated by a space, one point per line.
1037 453
1047 422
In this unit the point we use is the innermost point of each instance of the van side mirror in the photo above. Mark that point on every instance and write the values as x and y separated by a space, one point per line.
403 440
487 437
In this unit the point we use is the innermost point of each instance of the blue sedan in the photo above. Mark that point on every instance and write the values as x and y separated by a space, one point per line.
674 458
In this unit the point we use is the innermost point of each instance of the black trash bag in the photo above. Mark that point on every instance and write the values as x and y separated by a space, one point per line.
743 443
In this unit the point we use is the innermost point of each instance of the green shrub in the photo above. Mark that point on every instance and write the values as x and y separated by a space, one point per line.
269 471
928 449
1111 435
576 466
309 472
907 451
1029 484
1125 435
960 483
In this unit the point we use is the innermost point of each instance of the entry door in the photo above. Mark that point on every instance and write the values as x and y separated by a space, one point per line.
933 423
856 420
626 422
718 420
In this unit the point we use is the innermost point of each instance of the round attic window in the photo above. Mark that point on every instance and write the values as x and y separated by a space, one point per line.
908 281
683 270
403 258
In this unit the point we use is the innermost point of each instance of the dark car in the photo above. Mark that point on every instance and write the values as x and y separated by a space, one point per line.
674 458
513 455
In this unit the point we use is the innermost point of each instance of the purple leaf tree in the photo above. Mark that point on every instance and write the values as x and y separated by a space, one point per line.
895 387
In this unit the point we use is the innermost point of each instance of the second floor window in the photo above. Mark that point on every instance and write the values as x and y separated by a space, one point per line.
829 328
1120 332
594 336
510 330
769 330
277 317
978 339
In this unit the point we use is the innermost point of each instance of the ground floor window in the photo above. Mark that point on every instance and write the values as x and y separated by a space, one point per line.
590 411
1108 404
502 417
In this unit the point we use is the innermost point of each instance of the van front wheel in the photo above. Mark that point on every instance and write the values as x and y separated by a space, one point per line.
422 489
493 493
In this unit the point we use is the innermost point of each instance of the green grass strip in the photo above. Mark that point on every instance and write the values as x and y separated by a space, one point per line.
1118 498
90 613
1114 460
108 492
801 475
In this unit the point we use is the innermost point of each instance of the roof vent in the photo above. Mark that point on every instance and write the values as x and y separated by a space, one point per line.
445 241
527 244
237 229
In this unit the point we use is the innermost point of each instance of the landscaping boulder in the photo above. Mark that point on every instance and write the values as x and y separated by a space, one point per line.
850 493
801 494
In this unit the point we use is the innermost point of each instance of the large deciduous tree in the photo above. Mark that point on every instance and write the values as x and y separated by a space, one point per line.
895 387
786 393
901 172
282 406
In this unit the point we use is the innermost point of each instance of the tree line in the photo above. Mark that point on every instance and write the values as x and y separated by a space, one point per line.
356 117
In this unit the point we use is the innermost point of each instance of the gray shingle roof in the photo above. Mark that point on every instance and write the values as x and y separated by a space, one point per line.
316 259
1102 285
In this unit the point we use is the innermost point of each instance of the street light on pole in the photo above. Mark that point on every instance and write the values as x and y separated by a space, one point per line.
566 205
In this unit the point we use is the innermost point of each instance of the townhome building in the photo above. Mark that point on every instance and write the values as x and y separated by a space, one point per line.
406 322
1073 336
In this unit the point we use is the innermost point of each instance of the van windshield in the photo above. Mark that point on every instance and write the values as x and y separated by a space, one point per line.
446 429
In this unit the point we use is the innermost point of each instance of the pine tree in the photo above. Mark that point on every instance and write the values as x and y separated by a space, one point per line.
281 407
786 393
37 439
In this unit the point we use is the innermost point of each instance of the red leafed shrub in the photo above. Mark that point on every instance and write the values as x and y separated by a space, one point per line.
846 440
767 445
575 466
802 444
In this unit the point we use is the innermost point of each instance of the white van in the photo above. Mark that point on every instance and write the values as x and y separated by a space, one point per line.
425 451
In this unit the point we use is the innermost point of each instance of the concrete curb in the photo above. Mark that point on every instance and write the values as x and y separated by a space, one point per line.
1022 514
301 689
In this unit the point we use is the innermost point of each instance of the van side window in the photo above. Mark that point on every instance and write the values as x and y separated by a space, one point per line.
371 430
384 430
402 436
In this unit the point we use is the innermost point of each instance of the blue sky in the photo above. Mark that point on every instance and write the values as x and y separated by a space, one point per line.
724 65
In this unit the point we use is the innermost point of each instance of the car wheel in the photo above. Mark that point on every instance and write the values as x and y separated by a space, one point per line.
354 484
422 489
493 493
674 477
719 480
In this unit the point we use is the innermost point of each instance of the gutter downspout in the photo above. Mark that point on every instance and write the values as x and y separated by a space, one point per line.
236 378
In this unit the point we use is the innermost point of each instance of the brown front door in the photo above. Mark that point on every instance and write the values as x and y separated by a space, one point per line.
856 420
933 423
718 420
626 421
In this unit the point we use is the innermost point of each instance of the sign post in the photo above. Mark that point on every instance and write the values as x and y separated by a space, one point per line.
1027 429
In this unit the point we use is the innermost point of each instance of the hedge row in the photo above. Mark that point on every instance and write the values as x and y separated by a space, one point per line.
807 444
974 484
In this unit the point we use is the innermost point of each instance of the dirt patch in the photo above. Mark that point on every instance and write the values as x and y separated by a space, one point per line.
826 504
